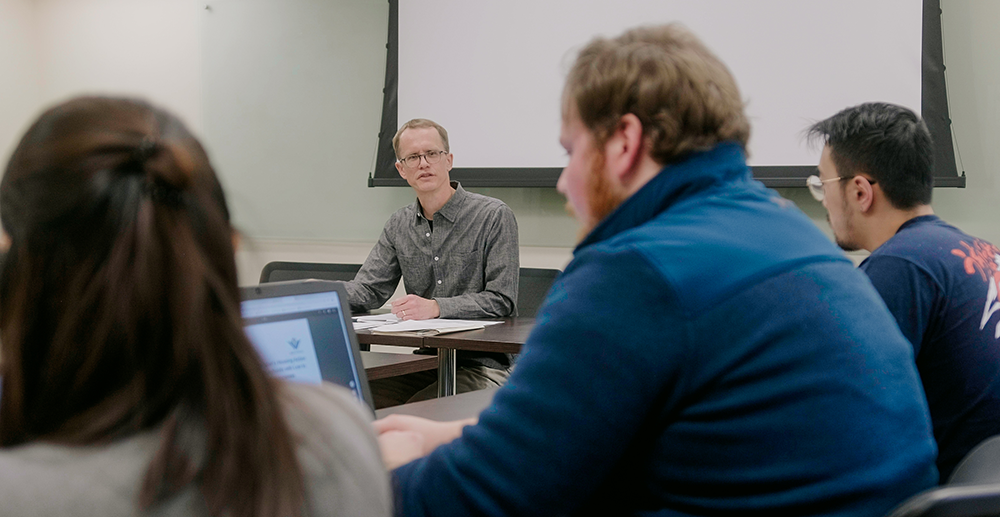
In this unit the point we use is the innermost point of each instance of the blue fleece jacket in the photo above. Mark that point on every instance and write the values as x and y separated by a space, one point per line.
707 351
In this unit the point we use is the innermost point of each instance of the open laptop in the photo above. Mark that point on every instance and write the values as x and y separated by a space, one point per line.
302 329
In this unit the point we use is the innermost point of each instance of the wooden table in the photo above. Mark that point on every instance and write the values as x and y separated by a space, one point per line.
365 337
506 338
463 405
379 365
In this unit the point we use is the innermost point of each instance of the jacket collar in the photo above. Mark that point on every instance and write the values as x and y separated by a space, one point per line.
696 172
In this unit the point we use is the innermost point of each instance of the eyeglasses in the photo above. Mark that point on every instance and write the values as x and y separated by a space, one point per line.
816 185
432 157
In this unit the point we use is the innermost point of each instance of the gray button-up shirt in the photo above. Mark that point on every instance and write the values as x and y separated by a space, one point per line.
469 263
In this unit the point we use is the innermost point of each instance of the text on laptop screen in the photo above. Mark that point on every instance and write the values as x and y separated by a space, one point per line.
302 337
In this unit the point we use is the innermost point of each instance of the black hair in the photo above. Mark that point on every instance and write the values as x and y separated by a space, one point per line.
890 143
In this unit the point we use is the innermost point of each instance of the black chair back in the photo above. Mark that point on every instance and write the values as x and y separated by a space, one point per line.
532 286
281 271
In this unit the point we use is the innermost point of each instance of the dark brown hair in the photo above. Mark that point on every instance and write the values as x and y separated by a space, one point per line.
119 309
684 96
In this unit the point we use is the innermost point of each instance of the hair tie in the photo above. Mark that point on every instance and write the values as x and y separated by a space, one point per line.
145 149
167 195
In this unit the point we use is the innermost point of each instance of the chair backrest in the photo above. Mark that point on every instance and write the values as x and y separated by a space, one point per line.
972 491
980 466
532 286
280 271
953 501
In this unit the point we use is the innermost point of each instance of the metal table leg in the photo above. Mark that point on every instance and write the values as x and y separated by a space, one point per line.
446 372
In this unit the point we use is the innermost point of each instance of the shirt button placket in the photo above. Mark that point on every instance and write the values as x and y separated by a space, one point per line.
435 268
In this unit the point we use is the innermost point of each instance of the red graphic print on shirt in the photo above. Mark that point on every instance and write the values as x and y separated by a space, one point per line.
984 258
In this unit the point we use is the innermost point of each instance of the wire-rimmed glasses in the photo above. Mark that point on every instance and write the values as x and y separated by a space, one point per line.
816 185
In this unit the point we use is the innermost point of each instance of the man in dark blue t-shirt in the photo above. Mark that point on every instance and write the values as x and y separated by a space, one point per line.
875 180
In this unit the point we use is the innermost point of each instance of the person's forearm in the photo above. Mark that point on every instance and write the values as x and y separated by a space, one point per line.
487 304
452 433
363 297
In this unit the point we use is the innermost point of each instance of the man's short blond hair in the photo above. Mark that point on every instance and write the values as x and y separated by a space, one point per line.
685 97
418 123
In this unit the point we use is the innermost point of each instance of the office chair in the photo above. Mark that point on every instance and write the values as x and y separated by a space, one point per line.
972 491
953 501
980 466
532 286
280 271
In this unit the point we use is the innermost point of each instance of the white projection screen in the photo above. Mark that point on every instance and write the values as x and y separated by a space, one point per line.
491 72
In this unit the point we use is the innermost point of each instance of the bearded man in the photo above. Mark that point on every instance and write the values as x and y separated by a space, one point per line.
707 351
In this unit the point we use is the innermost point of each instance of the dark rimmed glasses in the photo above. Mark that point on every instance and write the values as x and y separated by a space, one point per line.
432 157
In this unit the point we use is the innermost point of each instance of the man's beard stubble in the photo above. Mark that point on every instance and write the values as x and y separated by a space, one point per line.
844 243
603 197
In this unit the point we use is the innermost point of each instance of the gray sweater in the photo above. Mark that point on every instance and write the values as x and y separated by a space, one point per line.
337 452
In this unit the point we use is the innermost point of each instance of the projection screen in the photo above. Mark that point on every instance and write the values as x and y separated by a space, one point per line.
491 72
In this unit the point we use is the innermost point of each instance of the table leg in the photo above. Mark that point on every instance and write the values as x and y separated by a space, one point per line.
446 372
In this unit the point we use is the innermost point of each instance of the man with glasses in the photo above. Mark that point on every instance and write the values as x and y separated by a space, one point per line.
875 180
457 254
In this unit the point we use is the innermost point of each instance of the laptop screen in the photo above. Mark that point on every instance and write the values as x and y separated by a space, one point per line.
304 336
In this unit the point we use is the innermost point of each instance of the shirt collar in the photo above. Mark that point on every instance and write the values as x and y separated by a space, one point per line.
920 219
450 209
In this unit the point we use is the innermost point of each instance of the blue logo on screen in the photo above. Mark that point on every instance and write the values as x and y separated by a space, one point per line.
294 342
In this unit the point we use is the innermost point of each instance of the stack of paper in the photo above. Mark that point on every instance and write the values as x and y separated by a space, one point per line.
374 320
431 327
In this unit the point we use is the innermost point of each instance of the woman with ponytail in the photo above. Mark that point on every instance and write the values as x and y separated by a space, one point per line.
128 384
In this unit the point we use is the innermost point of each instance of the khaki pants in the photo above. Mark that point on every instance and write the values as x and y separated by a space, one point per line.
414 387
